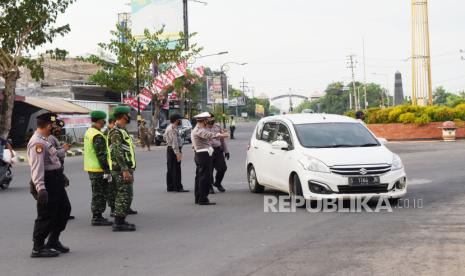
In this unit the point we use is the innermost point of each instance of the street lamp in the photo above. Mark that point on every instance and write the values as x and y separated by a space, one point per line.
223 68
194 59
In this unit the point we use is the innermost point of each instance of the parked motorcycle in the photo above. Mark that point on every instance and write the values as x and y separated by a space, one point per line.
6 174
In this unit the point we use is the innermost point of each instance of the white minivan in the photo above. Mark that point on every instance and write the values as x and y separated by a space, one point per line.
321 156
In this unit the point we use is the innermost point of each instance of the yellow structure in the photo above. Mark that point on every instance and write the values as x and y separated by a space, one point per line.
422 92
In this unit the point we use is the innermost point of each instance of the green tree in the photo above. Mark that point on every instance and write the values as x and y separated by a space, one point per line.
26 25
120 75
440 96
274 110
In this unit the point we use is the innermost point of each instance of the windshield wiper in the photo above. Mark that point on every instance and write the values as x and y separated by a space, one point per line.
369 145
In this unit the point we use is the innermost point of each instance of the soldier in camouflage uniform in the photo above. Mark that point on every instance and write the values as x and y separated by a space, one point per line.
122 164
111 184
96 164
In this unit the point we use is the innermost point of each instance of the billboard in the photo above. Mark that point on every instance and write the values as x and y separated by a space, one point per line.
214 91
259 110
153 14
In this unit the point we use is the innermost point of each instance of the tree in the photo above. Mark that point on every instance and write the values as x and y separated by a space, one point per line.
440 96
151 51
26 25
337 101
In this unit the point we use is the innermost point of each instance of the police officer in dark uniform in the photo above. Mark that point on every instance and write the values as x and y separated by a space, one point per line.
53 206
201 136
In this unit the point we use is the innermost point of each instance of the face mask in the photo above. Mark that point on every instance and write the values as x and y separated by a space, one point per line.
211 122
128 118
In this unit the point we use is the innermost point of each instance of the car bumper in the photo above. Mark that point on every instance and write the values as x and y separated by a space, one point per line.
339 188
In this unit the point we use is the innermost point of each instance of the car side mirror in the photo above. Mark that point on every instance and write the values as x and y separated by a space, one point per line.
383 141
280 145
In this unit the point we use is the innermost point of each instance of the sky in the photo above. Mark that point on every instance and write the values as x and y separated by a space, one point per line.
299 44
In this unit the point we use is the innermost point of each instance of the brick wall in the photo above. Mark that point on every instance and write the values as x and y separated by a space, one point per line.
405 132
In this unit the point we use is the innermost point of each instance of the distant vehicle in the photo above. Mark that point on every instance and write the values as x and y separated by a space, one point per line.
308 111
185 130
6 175
322 157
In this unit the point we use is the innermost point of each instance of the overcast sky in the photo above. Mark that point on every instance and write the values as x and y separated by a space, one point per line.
299 44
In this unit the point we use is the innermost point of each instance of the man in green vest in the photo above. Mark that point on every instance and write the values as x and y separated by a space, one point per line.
122 165
96 164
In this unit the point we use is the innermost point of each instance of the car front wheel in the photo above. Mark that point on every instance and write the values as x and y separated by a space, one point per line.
254 186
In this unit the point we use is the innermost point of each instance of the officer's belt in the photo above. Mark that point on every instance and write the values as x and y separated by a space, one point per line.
201 150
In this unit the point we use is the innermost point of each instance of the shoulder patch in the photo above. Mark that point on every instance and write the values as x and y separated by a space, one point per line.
39 148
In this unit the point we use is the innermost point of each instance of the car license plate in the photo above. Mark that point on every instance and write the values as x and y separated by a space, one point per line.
364 181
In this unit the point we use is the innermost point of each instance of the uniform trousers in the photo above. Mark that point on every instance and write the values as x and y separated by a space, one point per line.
173 174
218 164
52 217
203 174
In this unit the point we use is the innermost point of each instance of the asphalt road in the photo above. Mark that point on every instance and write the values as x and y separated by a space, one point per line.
236 237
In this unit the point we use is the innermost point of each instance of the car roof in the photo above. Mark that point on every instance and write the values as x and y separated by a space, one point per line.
314 118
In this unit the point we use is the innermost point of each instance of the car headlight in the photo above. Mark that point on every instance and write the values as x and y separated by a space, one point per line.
314 165
397 163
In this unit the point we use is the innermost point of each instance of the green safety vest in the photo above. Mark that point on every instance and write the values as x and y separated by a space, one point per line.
128 149
91 163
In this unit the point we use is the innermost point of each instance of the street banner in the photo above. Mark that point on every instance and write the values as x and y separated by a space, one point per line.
200 72
233 102
149 14
214 93
127 101
240 101
259 110
76 121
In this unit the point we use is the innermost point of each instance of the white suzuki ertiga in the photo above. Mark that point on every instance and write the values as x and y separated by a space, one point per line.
321 156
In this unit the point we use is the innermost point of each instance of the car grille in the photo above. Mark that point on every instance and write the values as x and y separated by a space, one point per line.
361 170
363 189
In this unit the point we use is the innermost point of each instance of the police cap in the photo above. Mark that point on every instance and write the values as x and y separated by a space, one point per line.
48 117
202 116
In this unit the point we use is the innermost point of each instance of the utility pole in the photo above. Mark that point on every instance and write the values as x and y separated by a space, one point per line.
351 64
365 74
291 108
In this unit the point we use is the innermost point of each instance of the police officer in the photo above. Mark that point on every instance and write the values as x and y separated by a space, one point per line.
232 126
122 164
220 151
201 136
57 127
53 206
174 155
96 164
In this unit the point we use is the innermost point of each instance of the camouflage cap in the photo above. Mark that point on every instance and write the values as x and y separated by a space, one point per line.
98 115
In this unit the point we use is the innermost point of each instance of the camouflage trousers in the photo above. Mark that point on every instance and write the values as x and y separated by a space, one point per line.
124 194
100 192
111 195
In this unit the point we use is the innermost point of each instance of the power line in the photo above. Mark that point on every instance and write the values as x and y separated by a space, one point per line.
351 64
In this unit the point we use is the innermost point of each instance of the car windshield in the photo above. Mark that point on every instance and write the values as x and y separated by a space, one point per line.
335 135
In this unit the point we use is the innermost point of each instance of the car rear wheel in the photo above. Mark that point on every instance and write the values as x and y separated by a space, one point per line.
254 186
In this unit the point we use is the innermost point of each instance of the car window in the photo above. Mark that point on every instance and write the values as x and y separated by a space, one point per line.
270 132
258 135
283 134
186 123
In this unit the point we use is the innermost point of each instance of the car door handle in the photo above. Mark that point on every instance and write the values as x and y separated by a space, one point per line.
272 153
255 147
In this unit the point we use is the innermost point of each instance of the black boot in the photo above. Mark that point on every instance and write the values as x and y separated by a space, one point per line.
220 188
40 251
99 220
132 212
55 244
121 225
211 190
